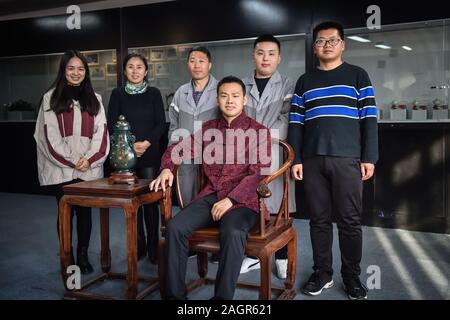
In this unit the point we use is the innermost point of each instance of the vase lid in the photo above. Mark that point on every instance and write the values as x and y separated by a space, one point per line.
122 124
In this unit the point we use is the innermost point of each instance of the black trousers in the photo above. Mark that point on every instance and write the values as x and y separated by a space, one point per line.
234 227
84 215
333 184
150 215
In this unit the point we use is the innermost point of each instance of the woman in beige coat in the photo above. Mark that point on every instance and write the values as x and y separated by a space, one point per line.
72 140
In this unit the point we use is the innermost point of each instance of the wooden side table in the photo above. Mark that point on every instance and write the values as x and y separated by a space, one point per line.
101 194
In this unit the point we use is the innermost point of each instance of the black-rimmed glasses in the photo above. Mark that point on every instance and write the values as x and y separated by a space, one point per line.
323 42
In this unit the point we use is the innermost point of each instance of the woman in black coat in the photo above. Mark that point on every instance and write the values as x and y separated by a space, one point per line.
143 108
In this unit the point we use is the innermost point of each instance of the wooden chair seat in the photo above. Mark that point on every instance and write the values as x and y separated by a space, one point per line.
212 234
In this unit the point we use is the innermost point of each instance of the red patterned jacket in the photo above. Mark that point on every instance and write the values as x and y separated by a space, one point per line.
234 158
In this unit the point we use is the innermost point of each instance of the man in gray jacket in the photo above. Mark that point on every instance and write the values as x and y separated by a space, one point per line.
269 95
192 102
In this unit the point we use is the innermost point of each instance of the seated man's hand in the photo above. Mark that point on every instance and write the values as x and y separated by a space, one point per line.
220 207
165 176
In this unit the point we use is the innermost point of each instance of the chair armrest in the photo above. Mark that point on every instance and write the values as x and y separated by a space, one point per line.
166 201
263 190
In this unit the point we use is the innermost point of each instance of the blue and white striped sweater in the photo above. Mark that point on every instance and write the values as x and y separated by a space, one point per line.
334 113
301 113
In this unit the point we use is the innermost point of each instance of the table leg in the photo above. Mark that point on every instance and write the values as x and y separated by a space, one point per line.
104 239
64 211
131 225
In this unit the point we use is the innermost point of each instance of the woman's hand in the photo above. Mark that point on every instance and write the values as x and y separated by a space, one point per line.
140 147
83 164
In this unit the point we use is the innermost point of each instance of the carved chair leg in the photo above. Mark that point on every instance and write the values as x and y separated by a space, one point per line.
265 291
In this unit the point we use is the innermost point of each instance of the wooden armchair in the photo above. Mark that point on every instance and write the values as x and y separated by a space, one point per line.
264 239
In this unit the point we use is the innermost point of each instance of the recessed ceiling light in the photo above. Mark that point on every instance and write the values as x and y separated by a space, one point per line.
359 39
407 48
382 46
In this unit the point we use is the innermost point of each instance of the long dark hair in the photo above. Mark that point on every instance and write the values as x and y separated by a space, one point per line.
60 101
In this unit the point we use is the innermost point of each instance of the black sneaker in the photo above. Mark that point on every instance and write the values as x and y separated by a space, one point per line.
316 283
355 289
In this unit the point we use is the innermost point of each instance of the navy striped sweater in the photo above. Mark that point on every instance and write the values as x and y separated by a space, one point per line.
333 113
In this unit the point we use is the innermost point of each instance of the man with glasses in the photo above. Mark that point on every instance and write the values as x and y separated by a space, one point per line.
333 130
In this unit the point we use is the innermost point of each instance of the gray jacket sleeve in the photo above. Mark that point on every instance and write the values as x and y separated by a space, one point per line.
174 112
283 119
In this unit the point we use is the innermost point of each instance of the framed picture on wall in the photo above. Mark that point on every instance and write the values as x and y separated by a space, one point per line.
93 58
172 53
111 69
111 82
97 73
141 51
162 69
151 72
157 54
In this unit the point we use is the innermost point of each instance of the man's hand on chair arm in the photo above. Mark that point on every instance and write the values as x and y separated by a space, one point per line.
160 182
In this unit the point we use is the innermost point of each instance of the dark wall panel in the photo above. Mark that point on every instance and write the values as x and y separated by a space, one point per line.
196 21
204 20
99 30
18 158
410 186
354 14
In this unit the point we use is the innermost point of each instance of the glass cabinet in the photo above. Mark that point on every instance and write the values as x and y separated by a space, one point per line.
409 65
25 79
168 69
409 68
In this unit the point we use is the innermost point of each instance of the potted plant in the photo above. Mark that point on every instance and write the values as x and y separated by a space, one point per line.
20 110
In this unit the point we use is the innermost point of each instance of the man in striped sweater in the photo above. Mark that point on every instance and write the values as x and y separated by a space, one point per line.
333 130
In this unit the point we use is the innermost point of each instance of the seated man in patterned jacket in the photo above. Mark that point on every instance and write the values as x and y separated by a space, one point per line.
235 154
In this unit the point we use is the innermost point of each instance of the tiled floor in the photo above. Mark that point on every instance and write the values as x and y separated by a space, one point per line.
411 265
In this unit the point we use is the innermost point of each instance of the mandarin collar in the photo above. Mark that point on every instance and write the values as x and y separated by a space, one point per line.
236 123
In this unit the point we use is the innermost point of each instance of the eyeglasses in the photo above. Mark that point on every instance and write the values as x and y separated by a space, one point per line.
322 42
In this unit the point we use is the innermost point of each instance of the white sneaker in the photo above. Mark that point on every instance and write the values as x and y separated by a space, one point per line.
281 265
250 264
